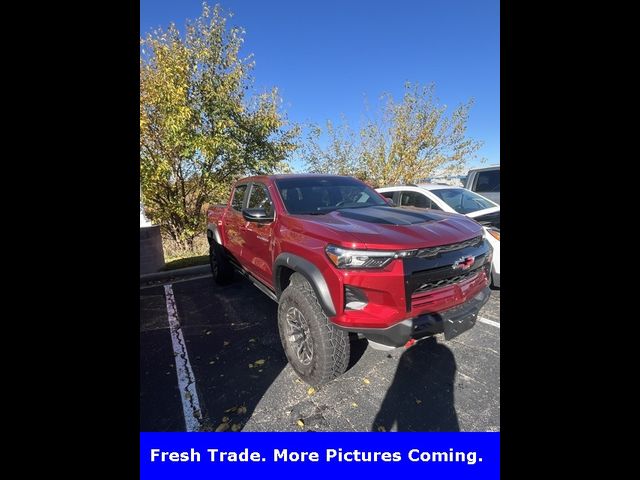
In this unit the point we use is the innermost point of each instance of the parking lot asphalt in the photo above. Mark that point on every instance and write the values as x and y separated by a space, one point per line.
228 338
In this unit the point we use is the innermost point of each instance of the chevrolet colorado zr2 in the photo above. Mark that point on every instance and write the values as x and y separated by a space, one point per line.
337 258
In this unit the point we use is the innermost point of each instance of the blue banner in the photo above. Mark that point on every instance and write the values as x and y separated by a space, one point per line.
317 455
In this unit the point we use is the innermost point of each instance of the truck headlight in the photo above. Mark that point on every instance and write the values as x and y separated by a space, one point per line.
347 258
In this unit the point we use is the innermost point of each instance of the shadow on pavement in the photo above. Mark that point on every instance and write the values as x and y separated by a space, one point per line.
358 346
231 334
234 348
421 397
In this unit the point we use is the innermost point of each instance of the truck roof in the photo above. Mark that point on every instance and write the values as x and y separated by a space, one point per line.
488 167
287 175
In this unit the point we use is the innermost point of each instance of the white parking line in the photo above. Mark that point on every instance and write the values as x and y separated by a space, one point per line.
489 322
186 379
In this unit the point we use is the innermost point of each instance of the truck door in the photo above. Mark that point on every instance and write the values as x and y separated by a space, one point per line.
234 222
258 249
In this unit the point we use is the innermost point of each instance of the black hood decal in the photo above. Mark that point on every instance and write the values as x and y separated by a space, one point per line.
390 215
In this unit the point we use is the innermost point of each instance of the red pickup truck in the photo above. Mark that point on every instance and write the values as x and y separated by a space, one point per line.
338 258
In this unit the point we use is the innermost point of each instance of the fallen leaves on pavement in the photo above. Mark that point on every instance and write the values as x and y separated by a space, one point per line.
223 427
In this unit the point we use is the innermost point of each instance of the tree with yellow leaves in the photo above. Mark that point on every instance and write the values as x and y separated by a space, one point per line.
199 129
409 141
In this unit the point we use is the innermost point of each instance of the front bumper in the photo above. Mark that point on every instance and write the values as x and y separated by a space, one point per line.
410 288
451 322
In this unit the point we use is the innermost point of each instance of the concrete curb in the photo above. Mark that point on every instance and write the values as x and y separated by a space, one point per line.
177 273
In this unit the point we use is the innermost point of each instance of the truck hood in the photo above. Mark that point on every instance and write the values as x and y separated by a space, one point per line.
394 228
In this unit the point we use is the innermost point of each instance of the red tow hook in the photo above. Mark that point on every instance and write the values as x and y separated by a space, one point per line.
410 343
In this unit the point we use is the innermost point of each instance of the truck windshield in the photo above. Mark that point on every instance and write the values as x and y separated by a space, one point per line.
463 201
318 195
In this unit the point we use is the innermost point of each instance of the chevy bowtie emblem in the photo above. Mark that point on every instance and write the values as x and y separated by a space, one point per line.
463 263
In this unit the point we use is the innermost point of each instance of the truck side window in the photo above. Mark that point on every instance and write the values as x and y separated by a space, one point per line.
238 196
259 198
488 181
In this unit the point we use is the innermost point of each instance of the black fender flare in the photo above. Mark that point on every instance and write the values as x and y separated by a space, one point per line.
214 233
311 273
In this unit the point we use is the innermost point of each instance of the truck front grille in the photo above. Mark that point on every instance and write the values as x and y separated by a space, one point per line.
425 287
436 274
452 292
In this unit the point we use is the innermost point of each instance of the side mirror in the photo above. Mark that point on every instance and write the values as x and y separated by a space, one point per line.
256 215
390 201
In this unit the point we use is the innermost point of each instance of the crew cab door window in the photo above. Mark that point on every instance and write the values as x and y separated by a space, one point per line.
259 198
488 181
233 222
238 197
256 254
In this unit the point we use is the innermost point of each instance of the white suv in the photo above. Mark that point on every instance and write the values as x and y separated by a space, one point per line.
454 200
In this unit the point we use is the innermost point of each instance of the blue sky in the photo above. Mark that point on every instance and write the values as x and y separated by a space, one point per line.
327 56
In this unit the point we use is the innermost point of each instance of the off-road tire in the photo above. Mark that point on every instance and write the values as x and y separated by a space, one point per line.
221 268
329 344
